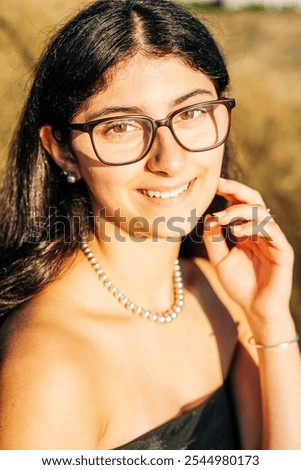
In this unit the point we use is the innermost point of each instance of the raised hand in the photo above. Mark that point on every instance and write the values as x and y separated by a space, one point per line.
257 271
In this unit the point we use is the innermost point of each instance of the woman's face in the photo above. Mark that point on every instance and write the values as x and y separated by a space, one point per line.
131 196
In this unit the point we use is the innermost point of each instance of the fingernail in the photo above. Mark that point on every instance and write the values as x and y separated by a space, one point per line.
220 214
212 223
236 228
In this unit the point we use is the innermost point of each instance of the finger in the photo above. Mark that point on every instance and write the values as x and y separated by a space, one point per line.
214 241
246 230
269 231
237 192
243 213
248 221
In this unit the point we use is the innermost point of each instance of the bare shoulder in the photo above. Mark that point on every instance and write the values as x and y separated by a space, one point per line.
47 389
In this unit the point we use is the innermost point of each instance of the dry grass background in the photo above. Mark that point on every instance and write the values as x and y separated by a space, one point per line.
264 57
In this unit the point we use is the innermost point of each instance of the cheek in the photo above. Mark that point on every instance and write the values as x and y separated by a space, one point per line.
216 157
95 173
103 191
108 186
81 144
211 163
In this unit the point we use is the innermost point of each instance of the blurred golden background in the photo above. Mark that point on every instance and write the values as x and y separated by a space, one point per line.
264 58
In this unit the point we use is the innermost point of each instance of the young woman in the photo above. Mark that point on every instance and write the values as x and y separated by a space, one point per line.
108 339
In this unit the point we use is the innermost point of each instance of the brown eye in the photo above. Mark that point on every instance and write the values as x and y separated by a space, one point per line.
187 115
119 128
115 128
191 114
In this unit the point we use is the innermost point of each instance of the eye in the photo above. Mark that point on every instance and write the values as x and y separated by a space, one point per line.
192 114
117 130
120 127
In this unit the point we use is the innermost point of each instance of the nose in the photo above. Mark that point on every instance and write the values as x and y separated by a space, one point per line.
166 156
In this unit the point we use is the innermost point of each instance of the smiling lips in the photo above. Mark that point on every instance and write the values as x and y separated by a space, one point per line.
165 194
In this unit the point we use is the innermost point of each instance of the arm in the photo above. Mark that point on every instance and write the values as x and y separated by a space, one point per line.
257 274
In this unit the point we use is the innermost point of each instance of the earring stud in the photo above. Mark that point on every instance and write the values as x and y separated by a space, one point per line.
70 176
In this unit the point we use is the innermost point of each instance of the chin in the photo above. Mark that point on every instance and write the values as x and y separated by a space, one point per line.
172 229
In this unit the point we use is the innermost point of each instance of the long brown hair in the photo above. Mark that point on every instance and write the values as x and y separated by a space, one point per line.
41 215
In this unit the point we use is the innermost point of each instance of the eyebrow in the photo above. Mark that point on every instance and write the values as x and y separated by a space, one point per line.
114 110
136 110
199 91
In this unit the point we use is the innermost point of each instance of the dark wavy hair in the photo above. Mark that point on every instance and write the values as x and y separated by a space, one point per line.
42 215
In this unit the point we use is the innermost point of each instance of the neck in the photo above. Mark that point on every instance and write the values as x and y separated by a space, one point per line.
143 270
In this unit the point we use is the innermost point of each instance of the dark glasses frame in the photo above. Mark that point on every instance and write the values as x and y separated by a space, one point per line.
88 127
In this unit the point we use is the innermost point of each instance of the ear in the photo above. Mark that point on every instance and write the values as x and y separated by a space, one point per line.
59 152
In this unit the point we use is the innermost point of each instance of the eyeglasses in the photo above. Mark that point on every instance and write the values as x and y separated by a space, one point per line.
127 139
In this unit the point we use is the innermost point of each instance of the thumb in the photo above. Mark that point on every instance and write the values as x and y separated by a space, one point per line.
214 240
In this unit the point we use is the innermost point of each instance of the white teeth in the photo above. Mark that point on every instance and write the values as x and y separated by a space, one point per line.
165 195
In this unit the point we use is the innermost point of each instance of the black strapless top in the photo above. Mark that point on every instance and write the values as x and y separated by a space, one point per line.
209 426
212 425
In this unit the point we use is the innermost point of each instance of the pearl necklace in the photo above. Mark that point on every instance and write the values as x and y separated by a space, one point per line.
164 317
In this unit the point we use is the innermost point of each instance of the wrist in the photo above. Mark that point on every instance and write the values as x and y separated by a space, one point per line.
273 330
282 345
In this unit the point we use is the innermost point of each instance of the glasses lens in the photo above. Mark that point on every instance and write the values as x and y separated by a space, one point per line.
120 141
202 127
